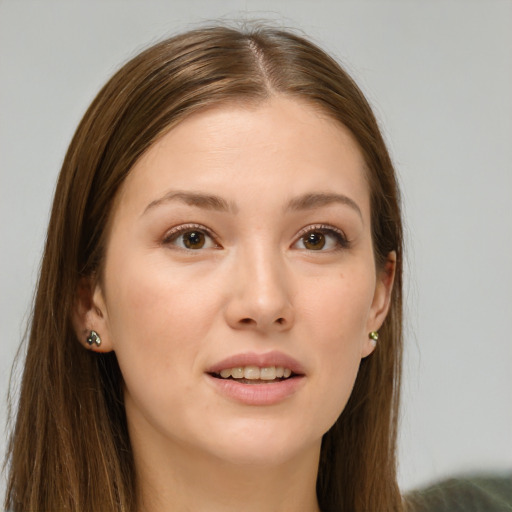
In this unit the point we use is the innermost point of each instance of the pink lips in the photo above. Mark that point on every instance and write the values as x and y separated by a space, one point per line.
273 358
268 393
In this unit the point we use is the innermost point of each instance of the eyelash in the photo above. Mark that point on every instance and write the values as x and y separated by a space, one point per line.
175 233
340 239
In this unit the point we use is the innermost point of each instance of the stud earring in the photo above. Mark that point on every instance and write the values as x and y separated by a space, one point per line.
374 336
94 338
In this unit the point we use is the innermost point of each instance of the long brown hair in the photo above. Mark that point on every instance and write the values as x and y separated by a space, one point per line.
70 448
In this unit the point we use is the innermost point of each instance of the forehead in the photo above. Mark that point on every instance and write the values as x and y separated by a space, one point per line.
240 150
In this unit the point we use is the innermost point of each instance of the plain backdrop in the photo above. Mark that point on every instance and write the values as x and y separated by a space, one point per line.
439 75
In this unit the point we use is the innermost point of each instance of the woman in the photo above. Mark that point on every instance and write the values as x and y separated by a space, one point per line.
218 316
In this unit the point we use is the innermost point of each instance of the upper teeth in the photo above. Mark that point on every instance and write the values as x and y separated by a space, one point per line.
255 372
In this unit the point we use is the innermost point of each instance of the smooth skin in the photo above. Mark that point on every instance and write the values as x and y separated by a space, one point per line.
246 228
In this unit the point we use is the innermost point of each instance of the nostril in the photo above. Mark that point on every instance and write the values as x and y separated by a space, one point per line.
248 322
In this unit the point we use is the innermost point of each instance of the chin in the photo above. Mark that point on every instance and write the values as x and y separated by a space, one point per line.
263 446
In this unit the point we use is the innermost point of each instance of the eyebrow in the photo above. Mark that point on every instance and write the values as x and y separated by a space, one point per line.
212 202
319 199
205 201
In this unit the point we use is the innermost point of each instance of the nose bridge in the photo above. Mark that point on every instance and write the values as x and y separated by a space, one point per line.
261 296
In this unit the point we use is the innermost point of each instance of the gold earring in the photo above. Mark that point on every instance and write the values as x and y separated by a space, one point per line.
374 336
93 337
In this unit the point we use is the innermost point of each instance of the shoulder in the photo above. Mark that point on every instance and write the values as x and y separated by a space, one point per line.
471 494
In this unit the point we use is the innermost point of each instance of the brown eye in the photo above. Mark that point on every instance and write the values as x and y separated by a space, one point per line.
321 238
314 241
193 239
190 238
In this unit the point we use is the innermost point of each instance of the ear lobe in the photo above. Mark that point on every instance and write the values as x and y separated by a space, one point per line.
89 314
381 301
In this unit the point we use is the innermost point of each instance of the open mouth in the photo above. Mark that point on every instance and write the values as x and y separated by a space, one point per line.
255 374
257 379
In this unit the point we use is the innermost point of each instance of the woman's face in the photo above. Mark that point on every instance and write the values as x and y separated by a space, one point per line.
239 251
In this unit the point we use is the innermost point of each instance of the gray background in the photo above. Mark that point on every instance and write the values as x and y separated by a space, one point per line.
439 75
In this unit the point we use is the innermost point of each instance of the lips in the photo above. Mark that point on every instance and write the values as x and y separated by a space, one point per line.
267 360
257 379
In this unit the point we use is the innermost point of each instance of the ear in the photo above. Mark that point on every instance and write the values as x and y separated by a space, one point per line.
381 302
90 314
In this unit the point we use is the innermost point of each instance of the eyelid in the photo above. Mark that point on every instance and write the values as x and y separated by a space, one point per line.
173 233
327 229
341 239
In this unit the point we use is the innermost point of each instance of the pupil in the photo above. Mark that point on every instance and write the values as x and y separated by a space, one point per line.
314 241
194 240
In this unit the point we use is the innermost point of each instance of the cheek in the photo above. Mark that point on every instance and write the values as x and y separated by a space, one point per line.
337 307
153 298
158 318
334 320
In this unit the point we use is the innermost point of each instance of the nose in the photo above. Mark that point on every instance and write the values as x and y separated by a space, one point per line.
260 298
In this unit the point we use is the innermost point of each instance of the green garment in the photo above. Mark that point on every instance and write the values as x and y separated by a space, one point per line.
471 494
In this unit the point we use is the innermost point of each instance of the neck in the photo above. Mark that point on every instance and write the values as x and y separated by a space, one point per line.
189 481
